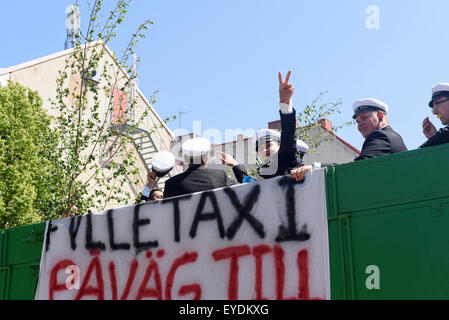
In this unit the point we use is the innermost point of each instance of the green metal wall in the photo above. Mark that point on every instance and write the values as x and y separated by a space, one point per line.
390 212
20 254
393 213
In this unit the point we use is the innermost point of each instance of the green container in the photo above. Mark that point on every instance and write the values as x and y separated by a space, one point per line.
391 214
20 254
388 231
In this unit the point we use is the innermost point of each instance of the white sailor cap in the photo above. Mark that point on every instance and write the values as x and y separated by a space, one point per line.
162 162
368 104
269 133
196 147
266 135
301 146
439 90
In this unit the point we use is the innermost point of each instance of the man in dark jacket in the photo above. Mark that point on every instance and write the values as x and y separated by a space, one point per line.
372 123
197 177
440 107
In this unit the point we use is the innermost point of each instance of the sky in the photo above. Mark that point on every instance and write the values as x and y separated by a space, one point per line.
218 60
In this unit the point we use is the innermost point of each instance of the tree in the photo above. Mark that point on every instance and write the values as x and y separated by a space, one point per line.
84 162
310 121
30 175
97 117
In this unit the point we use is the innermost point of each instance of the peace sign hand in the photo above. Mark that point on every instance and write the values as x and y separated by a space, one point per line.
286 89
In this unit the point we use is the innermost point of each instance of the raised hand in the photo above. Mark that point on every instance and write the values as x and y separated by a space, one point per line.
428 128
286 89
227 159
151 179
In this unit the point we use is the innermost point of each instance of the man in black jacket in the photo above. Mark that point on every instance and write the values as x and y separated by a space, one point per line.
440 107
372 123
197 177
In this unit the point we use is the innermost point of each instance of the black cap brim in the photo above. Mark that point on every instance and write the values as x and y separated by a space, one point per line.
364 109
267 139
160 174
437 95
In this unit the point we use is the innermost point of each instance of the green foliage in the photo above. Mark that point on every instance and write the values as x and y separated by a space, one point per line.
96 146
30 175
89 159
254 173
310 120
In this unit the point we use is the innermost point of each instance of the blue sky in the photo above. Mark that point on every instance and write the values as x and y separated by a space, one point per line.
219 59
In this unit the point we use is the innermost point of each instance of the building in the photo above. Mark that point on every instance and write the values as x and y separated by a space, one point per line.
151 136
329 148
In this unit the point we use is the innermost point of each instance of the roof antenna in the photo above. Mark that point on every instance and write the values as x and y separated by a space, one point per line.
180 113
72 24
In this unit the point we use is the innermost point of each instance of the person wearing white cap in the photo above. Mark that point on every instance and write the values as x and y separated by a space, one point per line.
372 123
299 173
156 194
440 107
160 165
276 151
197 177
240 171
302 148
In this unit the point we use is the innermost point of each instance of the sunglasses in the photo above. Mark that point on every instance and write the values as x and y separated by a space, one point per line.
436 104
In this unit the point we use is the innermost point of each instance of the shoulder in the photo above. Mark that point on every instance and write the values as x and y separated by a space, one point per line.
443 134
215 172
441 137
397 142
202 172
384 133
375 144
218 175
444 130
168 183
175 178
379 135
388 130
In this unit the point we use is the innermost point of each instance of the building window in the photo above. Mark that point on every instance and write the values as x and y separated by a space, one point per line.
120 105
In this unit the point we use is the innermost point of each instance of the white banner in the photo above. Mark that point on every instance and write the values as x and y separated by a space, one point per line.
262 240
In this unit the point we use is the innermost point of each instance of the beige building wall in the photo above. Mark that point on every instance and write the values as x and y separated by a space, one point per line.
41 75
331 148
